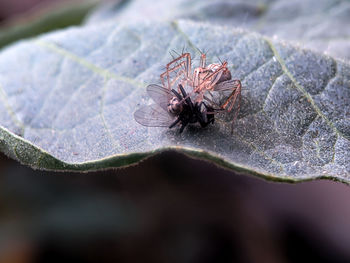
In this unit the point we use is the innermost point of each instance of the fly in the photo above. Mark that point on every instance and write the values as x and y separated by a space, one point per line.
172 108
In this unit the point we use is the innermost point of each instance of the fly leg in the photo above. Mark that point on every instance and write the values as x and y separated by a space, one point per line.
183 125
209 113
204 117
185 97
183 118
175 122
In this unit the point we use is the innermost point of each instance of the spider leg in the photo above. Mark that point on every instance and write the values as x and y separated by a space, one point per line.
165 76
202 60
229 104
178 75
170 67
236 93
208 82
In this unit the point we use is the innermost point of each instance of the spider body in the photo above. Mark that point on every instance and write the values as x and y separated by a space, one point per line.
203 80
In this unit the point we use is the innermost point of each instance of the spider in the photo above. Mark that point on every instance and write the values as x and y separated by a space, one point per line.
169 109
213 77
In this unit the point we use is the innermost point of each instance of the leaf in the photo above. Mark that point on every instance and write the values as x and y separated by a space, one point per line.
67 101
320 25
56 16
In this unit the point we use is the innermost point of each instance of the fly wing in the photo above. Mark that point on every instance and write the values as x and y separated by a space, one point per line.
227 85
234 87
160 95
153 116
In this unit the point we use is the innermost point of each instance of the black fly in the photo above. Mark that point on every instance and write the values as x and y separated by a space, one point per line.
170 109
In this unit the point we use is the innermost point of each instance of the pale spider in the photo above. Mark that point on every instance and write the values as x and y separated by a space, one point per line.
204 79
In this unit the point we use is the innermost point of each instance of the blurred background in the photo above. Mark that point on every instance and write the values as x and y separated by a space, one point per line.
169 208
21 19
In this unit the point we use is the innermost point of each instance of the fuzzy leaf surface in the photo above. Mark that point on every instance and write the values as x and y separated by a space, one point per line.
67 101
321 25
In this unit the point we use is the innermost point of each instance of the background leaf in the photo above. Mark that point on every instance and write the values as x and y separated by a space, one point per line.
322 25
54 17
67 101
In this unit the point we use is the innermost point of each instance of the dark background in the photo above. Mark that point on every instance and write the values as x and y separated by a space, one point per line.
9 9
170 208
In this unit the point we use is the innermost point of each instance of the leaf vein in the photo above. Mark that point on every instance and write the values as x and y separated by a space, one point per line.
303 91
106 74
10 111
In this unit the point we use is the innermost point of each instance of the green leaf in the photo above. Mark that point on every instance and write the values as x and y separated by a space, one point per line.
67 101
322 25
56 17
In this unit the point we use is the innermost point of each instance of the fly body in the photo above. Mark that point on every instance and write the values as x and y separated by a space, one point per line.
172 108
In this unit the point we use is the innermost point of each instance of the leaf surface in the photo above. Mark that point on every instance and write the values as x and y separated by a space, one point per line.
321 25
67 101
